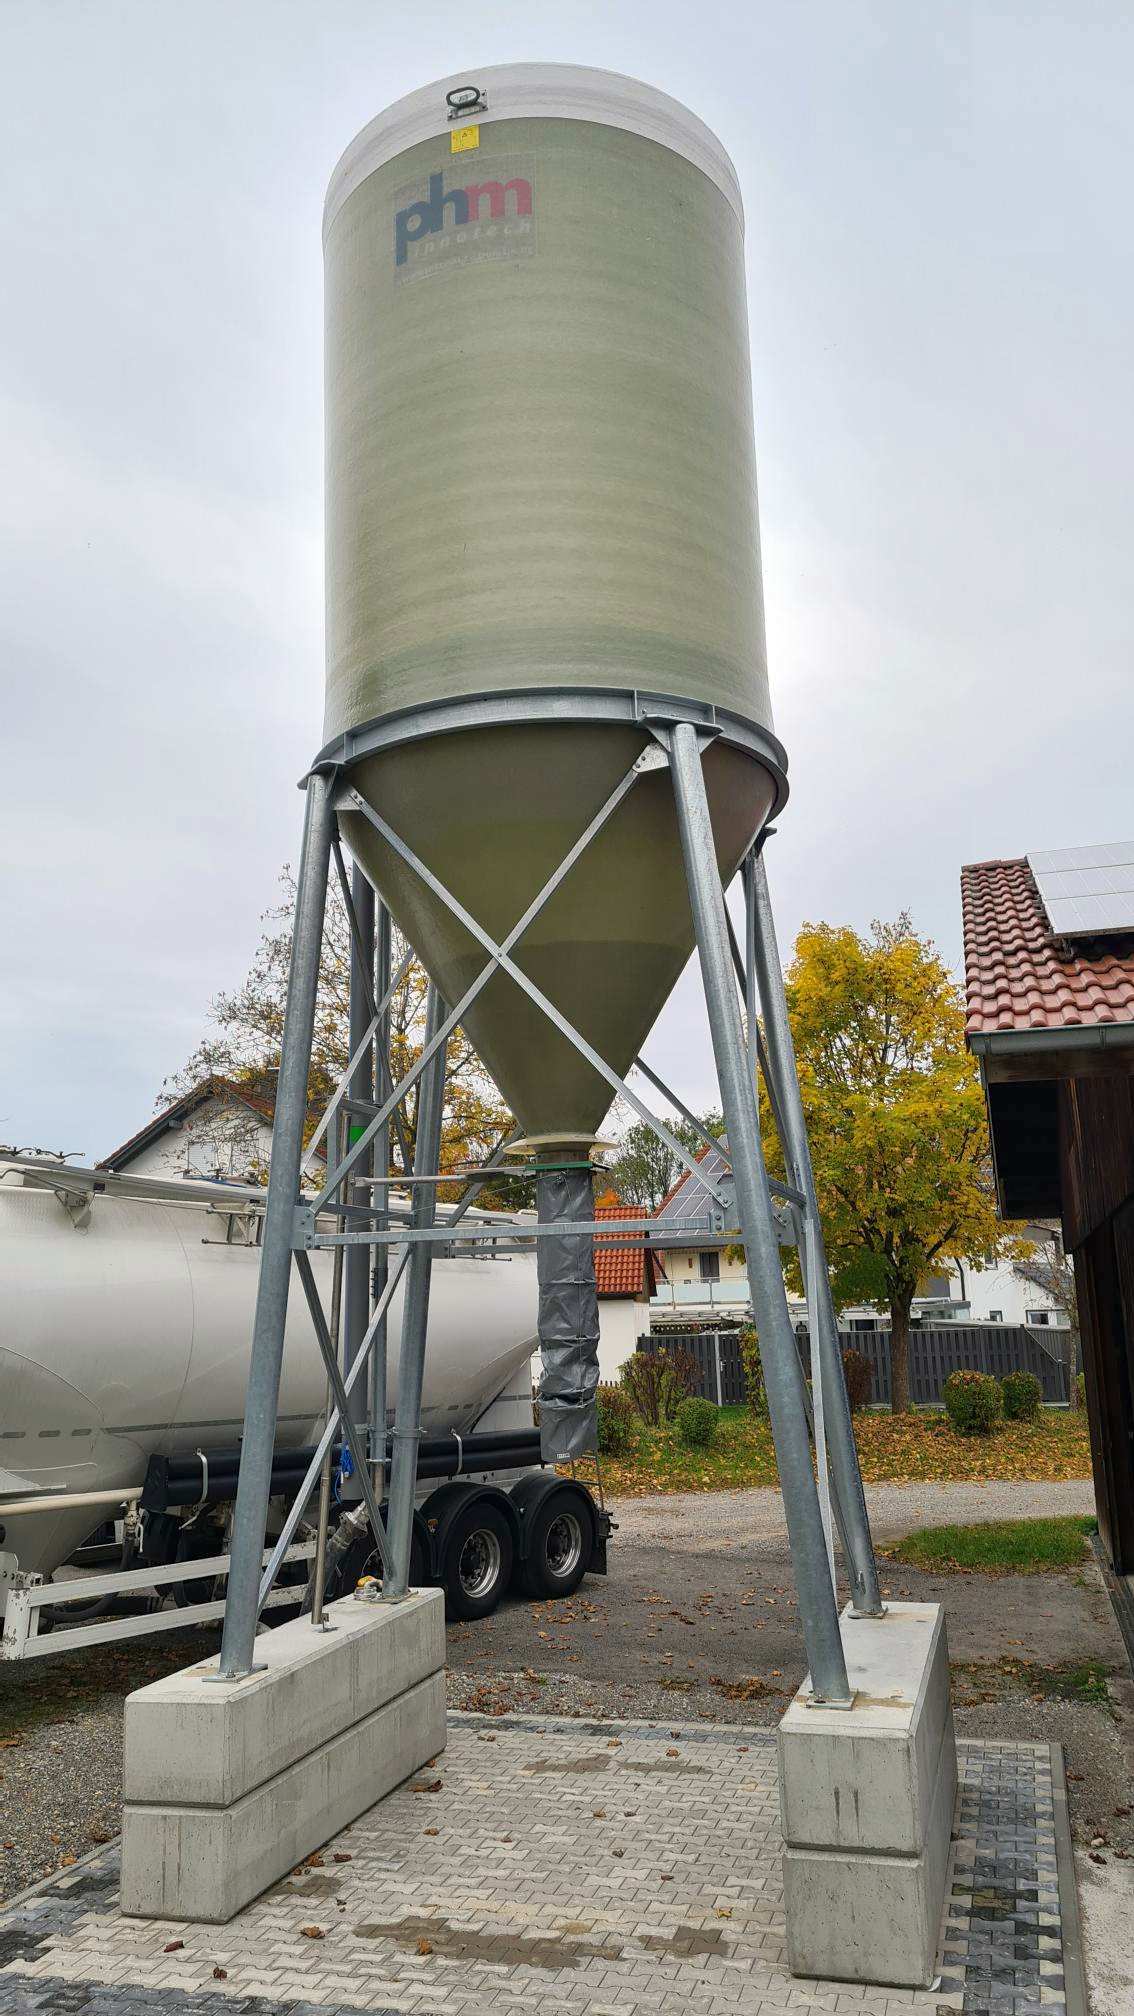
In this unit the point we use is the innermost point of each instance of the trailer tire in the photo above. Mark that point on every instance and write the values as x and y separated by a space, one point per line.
560 1541
362 1558
476 1559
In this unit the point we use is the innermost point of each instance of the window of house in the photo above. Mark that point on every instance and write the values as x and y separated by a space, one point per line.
996 1315
1039 1318
862 1323
710 1266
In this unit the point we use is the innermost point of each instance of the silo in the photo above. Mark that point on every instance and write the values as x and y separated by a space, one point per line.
542 534
547 736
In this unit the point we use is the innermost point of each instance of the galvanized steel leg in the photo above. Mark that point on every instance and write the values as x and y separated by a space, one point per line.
356 1309
322 1534
855 1523
262 1400
380 1198
415 1311
804 1225
818 1610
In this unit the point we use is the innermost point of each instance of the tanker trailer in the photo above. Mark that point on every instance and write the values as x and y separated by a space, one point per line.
127 1318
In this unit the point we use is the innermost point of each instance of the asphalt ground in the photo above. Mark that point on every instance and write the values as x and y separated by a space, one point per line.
696 1620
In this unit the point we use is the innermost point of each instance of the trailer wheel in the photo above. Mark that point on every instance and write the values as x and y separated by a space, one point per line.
362 1558
560 1541
476 1563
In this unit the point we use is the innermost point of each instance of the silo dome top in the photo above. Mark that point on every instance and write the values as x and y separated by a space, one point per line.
532 91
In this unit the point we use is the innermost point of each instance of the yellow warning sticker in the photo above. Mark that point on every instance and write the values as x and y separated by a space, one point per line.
462 138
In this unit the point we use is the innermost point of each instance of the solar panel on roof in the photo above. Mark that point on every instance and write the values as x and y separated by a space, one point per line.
1087 891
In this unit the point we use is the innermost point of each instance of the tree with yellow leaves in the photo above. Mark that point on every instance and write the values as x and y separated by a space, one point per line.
895 1116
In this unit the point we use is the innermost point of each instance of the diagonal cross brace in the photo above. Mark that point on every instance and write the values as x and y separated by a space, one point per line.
350 1427
500 959
373 1010
330 1430
499 953
339 1092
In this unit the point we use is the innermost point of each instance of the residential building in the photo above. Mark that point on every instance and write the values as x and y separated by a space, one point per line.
218 1130
626 1274
1049 967
704 1283
702 1280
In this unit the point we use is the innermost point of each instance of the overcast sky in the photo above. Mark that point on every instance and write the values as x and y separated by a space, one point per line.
940 293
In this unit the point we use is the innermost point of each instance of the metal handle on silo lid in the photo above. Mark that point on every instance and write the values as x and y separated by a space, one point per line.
466 98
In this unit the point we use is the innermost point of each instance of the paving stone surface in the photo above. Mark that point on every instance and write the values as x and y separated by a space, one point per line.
598 1869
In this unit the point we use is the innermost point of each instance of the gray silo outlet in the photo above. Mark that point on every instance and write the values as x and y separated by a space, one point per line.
568 1316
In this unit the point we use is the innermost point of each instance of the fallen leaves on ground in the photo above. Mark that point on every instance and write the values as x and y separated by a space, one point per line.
750 1687
312 1932
978 1682
918 1447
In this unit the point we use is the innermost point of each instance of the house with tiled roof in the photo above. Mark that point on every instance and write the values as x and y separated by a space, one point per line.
707 1284
704 1282
627 1272
1049 981
219 1129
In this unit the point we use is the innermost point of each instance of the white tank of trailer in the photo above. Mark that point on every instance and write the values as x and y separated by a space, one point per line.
130 1338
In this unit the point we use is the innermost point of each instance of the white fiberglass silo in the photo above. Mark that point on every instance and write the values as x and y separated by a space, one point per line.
541 528
548 735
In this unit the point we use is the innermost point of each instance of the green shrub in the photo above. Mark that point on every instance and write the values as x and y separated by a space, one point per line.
754 1389
615 1421
1022 1396
974 1402
696 1423
656 1382
859 1376
1081 1388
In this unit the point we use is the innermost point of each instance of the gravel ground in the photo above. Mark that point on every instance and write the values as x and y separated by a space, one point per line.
61 1748
60 1793
707 1521
699 1592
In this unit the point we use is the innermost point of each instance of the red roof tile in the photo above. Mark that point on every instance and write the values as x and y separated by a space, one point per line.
625 1268
1018 976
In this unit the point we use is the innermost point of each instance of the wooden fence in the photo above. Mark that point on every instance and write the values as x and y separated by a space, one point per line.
934 1353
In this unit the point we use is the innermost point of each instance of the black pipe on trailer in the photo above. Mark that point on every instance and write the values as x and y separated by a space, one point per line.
208 1476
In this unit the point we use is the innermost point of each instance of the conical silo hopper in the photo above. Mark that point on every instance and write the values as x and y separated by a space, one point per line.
541 535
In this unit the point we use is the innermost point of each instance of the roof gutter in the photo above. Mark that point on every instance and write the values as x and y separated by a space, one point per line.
1037 1042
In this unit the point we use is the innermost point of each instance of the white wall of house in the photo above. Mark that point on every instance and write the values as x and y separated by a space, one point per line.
221 1136
622 1320
997 1294
703 1283
699 1282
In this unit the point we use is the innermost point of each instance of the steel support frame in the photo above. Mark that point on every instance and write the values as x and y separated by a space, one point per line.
288 1228
283 1239
253 1489
818 1607
760 978
362 1018
781 1077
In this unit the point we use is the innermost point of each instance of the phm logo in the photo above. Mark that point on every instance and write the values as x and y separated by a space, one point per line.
444 208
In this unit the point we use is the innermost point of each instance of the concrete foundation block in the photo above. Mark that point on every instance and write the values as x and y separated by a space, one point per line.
228 1786
866 1804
